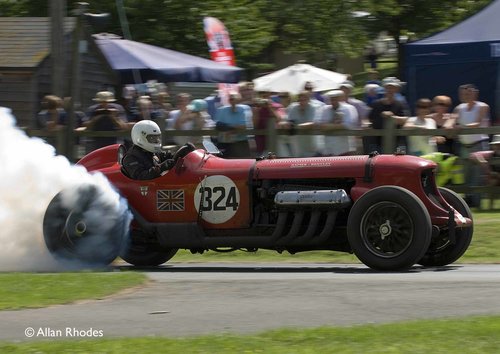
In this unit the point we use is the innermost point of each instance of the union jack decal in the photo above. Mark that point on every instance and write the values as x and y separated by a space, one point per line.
170 200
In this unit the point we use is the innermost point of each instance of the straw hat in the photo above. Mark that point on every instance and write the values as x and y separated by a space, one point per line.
104 96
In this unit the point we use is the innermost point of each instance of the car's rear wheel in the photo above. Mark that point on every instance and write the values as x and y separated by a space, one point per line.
144 254
441 250
84 225
389 228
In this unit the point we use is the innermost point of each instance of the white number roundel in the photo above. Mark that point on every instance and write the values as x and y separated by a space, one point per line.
221 199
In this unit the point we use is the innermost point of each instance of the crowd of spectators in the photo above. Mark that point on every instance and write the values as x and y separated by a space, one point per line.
294 115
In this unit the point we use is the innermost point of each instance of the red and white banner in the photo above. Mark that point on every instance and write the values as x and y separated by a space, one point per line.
220 50
218 41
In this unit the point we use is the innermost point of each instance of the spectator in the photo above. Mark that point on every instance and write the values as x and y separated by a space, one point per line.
106 115
372 94
318 101
385 108
483 159
80 116
144 108
444 120
472 113
361 108
372 57
52 116
421 144
316 98
398 96
197 119
302 115
130 96
247 92
161 107
373 78
283 141
231 121
338 115
106 99
213 102
182 101
266 113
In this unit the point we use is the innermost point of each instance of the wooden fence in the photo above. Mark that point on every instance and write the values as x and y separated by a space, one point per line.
388 135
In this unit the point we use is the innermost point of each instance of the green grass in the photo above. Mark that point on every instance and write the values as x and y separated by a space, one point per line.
28 290
485 248
465 335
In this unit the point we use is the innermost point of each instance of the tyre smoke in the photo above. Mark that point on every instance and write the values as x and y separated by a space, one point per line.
31 176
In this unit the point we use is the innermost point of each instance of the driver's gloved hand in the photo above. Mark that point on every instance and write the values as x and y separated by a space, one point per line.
183 151
164 155
167 165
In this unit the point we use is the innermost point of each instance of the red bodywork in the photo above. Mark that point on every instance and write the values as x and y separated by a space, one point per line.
171 198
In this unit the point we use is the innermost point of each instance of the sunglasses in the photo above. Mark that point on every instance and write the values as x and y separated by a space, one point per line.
424 107
441 104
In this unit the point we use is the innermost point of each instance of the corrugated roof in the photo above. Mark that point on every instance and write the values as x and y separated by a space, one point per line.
25 41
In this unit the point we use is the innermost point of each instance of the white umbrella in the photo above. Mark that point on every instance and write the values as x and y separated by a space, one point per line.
293 78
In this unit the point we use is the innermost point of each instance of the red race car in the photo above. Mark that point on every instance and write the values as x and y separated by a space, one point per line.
386 209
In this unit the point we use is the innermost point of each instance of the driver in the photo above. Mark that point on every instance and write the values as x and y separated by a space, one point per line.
145 160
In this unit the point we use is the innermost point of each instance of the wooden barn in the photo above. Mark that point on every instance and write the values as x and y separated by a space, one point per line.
25 66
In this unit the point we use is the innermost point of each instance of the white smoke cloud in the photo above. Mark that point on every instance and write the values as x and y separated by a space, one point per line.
30 176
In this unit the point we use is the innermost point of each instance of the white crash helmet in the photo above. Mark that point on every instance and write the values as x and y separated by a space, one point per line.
147 135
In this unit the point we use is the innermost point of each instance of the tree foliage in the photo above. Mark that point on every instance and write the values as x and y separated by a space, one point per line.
260 29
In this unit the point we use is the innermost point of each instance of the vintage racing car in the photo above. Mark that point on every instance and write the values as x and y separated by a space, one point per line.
386 209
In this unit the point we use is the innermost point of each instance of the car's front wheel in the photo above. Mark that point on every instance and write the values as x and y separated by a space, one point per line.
389 228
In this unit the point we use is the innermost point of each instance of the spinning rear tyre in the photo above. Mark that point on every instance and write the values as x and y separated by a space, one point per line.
389 228
441 250
86 225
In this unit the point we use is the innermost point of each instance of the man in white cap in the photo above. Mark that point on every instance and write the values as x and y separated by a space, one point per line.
338 115
361 107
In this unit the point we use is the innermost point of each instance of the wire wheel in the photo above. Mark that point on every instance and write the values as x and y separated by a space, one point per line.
389 228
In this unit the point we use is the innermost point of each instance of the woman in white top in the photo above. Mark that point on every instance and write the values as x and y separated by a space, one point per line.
421 144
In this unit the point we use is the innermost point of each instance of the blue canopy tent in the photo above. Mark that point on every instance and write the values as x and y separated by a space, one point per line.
156 63
468 52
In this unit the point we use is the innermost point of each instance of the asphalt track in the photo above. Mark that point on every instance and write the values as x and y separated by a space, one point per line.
192 299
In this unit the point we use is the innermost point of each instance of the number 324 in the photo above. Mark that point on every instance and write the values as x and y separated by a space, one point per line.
215 199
